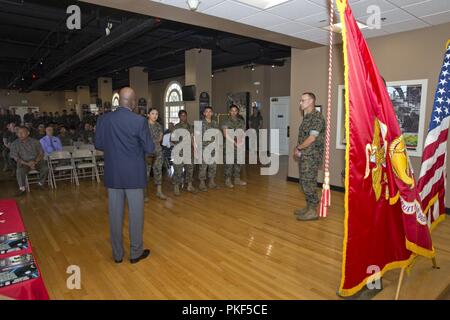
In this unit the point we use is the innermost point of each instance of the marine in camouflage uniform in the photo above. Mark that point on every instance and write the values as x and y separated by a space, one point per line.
188 168
312 156
156 131
233 170
210 169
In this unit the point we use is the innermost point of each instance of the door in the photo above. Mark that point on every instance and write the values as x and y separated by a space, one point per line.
279 120
21 110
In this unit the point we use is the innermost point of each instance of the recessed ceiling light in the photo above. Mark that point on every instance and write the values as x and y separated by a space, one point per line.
337 27
263 4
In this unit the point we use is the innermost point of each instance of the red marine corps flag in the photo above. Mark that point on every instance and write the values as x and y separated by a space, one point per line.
385 227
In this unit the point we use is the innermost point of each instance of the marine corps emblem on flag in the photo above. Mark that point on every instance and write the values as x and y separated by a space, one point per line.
376 154
400 161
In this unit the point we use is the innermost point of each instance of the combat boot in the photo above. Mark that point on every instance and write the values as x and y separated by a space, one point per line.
301 212
309 215
202 186
212 184
239 182
159 193
176 189
228 183
191 188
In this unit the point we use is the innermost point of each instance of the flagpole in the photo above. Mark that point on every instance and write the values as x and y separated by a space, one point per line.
400 281
325 201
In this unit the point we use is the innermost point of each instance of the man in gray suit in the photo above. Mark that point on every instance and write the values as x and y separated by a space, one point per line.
125 139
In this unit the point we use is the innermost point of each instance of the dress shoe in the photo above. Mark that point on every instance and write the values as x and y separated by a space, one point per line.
118 261
42 187
144 255
21 193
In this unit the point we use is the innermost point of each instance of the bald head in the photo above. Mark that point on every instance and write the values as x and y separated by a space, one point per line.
127 98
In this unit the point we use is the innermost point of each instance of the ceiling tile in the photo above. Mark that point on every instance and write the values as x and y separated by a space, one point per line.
428 7
404 26
402 3
436 19
205 4
231 10
317 20
326 3
263 20
296 9
360 8
290 28
371 33
392 16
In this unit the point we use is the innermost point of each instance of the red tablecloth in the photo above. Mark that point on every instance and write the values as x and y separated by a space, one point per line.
33 289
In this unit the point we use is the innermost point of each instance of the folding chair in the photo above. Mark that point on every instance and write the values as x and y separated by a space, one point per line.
68 148
167 159
86 147
100 162
61 163
32 177
88 162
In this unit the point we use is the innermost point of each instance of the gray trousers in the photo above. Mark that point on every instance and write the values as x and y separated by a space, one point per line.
116 202
22 171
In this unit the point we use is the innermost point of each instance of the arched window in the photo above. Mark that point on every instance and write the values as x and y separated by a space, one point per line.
115 101
173 102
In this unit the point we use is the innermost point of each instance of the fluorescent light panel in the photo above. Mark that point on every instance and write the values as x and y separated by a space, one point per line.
263 4
337 27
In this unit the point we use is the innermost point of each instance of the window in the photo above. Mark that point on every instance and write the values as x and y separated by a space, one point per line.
173 102
115 101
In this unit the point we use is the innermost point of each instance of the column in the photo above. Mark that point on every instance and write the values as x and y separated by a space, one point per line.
83 97
104 89
198 64
139 83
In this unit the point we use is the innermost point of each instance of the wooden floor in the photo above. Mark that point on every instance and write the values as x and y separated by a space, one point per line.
223 244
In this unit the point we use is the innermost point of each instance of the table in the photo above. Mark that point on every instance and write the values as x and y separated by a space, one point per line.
33 289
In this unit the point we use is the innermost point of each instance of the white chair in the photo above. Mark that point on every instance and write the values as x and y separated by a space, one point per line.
68 148
100 162
61 163
88 162
86 147
32 177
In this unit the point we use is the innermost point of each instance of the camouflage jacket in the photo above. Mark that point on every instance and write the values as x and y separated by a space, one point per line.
230 123
313 123
206 126
156 131
186 126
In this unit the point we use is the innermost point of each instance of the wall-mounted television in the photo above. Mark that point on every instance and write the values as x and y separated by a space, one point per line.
188 93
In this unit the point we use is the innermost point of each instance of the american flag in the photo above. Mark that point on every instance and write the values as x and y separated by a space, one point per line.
433 176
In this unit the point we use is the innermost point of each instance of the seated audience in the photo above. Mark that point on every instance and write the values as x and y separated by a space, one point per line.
40 132
65 137
9 137
28 154
50 143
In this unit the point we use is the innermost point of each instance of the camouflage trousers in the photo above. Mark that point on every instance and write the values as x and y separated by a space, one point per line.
203 168
178 173
232 170
308 171
156 165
